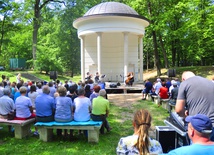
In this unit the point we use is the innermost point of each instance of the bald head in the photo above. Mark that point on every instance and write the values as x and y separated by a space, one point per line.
187 74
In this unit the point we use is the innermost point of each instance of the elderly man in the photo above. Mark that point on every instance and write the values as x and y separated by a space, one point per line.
45 106
100 110
6 104
195 96
199 130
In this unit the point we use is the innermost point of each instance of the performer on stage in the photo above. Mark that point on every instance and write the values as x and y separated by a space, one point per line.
130 79
88 76
97 77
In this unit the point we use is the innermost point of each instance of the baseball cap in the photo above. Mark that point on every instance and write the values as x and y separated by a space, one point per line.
200 122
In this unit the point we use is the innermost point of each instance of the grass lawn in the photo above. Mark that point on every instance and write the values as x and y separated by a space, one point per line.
120 120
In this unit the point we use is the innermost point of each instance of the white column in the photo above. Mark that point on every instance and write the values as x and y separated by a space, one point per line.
99 50
141 56
82 39
126 49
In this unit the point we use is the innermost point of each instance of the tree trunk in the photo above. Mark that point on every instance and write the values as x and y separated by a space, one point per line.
36 24
173 53
157 59
164 52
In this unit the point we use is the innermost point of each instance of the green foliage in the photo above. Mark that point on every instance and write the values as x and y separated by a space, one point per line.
184 27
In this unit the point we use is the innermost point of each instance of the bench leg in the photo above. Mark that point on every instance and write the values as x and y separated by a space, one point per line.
22 131
93 135
45 134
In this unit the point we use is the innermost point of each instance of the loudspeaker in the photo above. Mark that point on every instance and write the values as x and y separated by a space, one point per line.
166 136
53 75
171 73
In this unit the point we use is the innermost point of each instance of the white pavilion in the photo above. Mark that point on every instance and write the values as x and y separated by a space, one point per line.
111 35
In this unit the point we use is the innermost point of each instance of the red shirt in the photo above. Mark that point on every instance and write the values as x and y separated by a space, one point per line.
163 93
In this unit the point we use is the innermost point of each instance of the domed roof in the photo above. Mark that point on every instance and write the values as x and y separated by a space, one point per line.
111 8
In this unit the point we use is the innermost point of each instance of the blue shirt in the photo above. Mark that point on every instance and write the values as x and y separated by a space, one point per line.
194 149
6 105
63 108
52 91
22 106
148 86
44 105
17 94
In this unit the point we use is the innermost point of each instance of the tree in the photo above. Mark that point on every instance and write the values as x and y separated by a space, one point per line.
38 6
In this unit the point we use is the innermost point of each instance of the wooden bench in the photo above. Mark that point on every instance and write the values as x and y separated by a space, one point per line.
46 129
21 127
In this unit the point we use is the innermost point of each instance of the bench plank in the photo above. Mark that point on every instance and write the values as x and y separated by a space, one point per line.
22 127
46 129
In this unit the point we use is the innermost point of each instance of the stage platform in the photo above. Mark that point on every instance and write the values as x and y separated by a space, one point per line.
136 88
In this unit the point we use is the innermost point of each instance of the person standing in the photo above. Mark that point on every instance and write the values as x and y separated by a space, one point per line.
147 90
195 96
18 78
199 131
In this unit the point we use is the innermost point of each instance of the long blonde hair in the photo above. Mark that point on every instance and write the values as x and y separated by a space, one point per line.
142 120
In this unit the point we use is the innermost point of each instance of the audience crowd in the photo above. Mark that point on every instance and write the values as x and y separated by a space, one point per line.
52 101
55 101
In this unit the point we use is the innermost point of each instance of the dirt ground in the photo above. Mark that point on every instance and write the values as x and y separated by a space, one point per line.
126 100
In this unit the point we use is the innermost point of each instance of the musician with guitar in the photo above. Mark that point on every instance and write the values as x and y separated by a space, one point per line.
130 79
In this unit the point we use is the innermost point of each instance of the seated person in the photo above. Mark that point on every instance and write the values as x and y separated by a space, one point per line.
82 107
45 106
33 94
100 110
97 77
87 91
156 88
23 106
95 93
6 104
163 92
199 131
72 93
64 106
139 142
173 94
130 79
